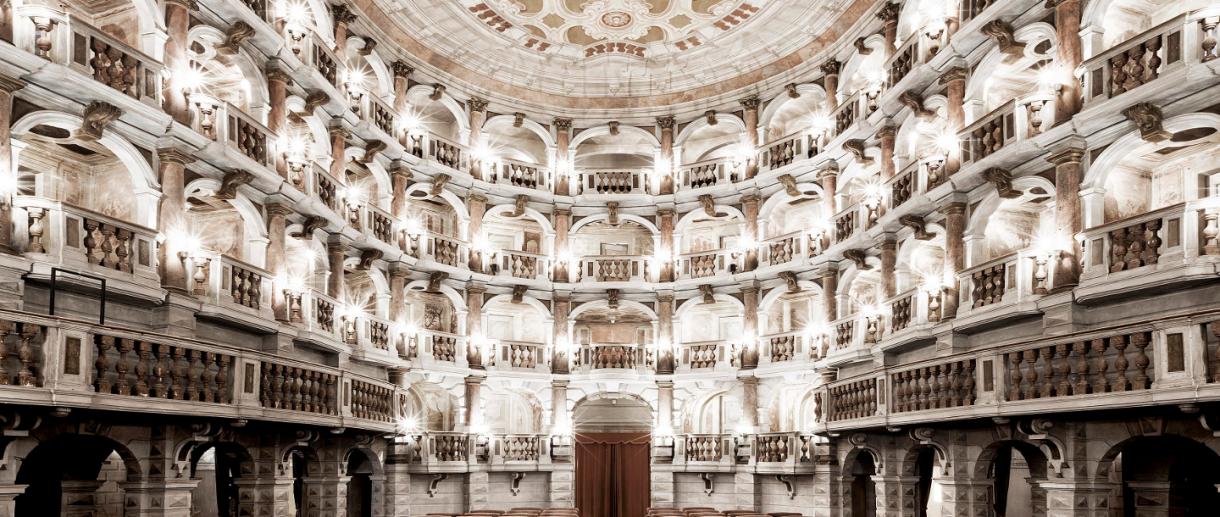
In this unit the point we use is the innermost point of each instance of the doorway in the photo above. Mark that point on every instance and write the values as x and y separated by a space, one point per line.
613 435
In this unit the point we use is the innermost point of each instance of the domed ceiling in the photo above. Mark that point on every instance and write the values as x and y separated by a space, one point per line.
608 54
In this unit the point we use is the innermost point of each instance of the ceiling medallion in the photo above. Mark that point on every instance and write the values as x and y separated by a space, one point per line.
615 19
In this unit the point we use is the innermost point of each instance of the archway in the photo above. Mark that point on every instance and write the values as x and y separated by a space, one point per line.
361 471
863 487
613 432
68 473
218 467
1163 475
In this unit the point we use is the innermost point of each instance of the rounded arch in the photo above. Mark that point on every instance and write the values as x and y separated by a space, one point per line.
530 301
605 304
624 130
424 191
692 303
995 59
770 120
250 214
1033 455
1105 464
507 209
779 291
1133 143
318 133
143 177
807 190
652 228
381 177
448 102
499 121
910 460
702 123
987 207
730 213
361 452
374 63
856 452
209 37
454 297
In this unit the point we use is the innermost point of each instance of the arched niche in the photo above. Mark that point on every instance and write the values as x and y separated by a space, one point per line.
697 321
526 321
1000 226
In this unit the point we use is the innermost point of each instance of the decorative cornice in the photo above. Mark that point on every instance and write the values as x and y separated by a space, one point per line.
232 181
239 32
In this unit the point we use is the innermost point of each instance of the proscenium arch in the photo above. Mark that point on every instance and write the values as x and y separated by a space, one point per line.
143 178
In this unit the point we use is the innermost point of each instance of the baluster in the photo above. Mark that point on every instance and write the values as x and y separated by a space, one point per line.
1063 370
955 384
1121 383
222 380
1014 376
1048 372
121 367
1118 250
1081 372
1152 243
37 227
102 363
27 376
108 259
1135 248
194 383
123 250
1139 340
209 377
967 389
942 386
1031 374
1133 71
1100 382
1153 47
159 388
1118 75
142 367
277 387
6 328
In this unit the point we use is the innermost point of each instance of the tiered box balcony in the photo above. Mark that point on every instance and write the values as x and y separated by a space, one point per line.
520 174
708 173
232 289
625 358
378 224
371 338
519 356
909 316
614 182
319 315
72 363
1015 121
908 183
781 452
796 147
440 150
442 249
706 264
615 268
60 235
1167 56
791 248
99 56
526 266
379 114
1161 248
793 346
233 128
1005 287
703 356
852 337
326 190
519 450
315 52
705 450
441 349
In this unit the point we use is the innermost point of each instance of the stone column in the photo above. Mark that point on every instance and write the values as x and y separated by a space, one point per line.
889 261
400 179
887 135
7 167
665 167
830 293
955 256
397 481
171 217
8 496
277 223
343 18
335 255
338 146
1071 498
749 349
1068 222
78 498
399 275
954 81
665 222
830 179
561 341
474 324
562 219
478 115
177 24
473 414
959 495
665 334
1068 57
750 106
559 402
563 162
749 208
830 82
749 401
889 491
402 82
158 498
477 204
665 405
889 18
277 113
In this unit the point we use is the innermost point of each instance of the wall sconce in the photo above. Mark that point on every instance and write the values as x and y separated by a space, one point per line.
873 196
296 18
348 316
1211 246
206 107
934 31
873 314
293 289
353 86
934 290
43 25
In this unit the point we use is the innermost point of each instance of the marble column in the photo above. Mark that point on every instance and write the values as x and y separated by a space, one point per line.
830 82
277 113
665 334
8 498
665 222
398 480
887 136
954 81
889 262
277 255
477 205
559 403
474 324
749 401
749 208
1068 218
402 82
830 296
749 349
338 147
471 396
399 276
563 162
562 219
478 116
400 179
750 107
889 18
171 217
665 167
955 256
830 179
1083 498
343 18
561 305
665 406
177 25
335 256
7 167
1067 58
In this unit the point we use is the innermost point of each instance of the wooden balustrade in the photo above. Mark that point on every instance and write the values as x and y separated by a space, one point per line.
229 280
614 182
614 269
377 333
701 355
372 401
988 284
520 447
846 114
519 355
519 264
703 265
905 59
446 251
934 387
519 174
326 189
788 150
294 388
773 447
989 134
1172 233
444 347
904 185
857 399
613 357
247 136
704 447
708 173
112 62
783 249
447 153
969 9
1101 365
324 60
21 352
845 225
73 235
1135 246
324 312
377 112
1142 59
380 224
450 446
845 333
901 312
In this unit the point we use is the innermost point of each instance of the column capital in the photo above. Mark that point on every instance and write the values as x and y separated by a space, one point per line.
957 73
1051 4
1066 156
475 287
561 212
749 380
399 271
888 242
280 209
665 297
10 85
174 155
665 384
277 73
473 380
342 15
889 130
666 122
477 104
559 383
475 197
889 12
751 103
562 124
750 198
953 208
831 67
401 69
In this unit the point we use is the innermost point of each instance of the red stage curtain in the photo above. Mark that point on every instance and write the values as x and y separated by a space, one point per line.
612 475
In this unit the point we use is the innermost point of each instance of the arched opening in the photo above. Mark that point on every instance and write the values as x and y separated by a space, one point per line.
360 472
436 324
794 116
863 487
793 323
613 250
709 244
74 473
927 491
613 432
302 465
1014 469
613 335
708 333
513 412
1164 475
518 332
220 469
615 161
516 244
